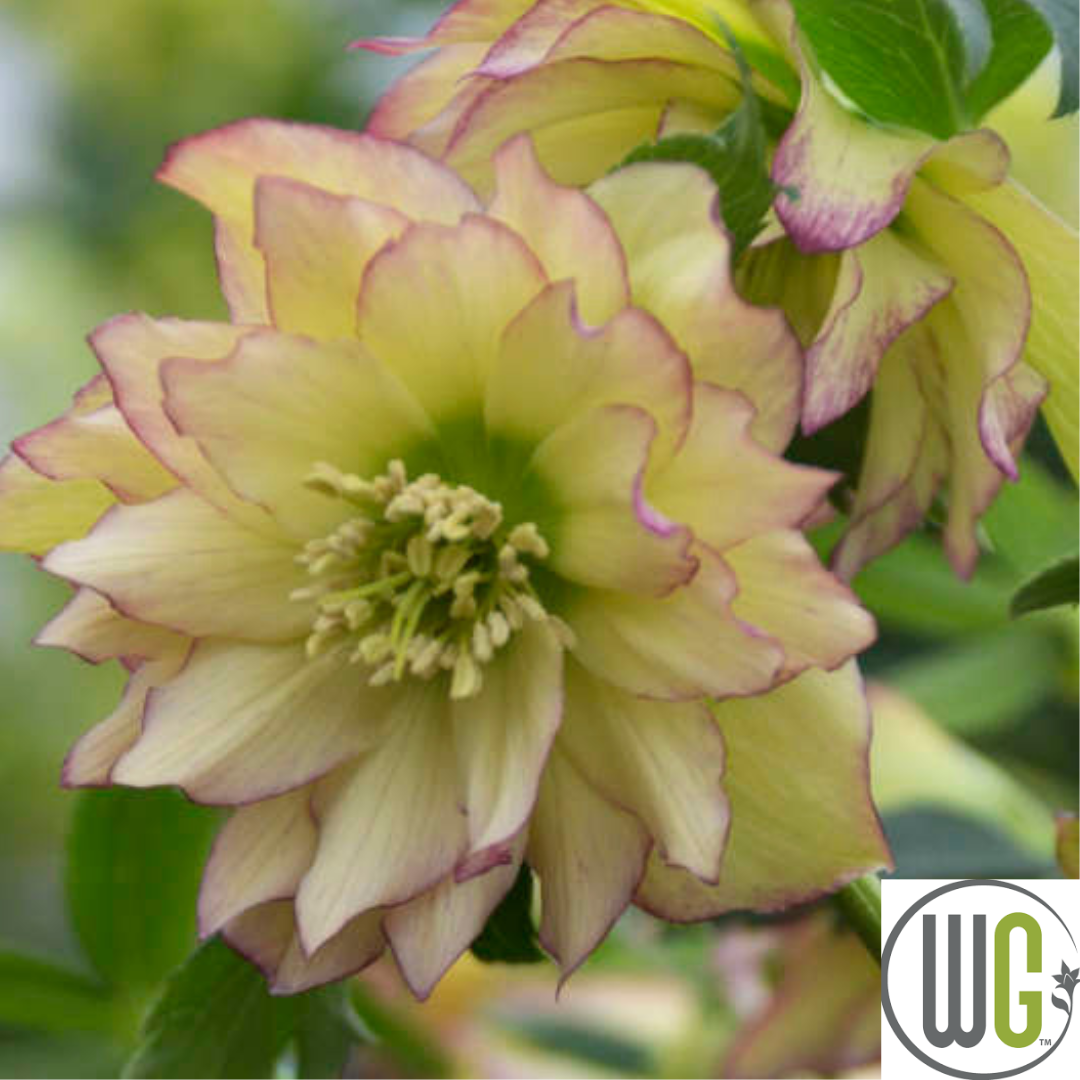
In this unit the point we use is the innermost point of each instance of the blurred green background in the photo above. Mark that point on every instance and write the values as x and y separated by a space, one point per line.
970 765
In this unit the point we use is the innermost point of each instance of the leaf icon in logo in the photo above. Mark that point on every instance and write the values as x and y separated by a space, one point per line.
1067 982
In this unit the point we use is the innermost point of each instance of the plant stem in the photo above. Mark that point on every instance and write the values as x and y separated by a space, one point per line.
860 904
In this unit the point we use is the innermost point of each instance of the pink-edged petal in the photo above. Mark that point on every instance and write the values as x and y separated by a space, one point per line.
589 855
463 21
566 230
786 592
90 761
529 40
667 218
220 168
726 486
601 530
182 563
391 826
131 349
469 282
802 820
584 115
970 162
268 937
1048 250
244 722
662 762
682 646
552 368
260 855
37 513
91 628
503 735
316 246
280 403
95 445
428 934
883 287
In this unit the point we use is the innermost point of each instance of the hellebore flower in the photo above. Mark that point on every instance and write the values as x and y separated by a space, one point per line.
429 562
906 265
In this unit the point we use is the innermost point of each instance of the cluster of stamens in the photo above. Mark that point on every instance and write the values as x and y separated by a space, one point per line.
424 577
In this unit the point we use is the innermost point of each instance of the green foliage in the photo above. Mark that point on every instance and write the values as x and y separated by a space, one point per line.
134 862
936 66
1054 586
40 994
509 936
1062 17
326 1030
215 1018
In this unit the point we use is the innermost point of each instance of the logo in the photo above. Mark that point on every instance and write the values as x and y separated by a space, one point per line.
978 977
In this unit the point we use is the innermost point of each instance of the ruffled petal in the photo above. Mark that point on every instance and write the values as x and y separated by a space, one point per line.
601 530
551 369
726 486
786 592
428 934
279 404
589 856
245 722
182 563
662 762
36 513
678 252
566 230
682 646
802 820
503 735
267 936
391 826
469 282
316 246
260 855
219 168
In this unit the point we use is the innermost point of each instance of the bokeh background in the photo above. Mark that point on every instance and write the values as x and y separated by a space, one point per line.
976 715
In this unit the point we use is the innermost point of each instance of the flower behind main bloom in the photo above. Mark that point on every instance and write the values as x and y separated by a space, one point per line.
910 267
429 562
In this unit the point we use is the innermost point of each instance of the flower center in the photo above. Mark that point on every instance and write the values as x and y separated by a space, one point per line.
425 576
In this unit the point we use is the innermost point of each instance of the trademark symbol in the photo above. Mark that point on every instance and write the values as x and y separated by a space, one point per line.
1045 1042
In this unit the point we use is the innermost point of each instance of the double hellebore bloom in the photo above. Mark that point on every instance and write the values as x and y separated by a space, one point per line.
912 267
430 561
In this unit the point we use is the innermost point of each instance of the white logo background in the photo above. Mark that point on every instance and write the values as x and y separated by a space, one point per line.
904 977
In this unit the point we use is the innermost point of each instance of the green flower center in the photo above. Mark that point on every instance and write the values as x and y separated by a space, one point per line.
426 577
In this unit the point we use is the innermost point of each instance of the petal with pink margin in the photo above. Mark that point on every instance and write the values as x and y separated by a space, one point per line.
427 934
662 762
590 857
220 167
679 647
464 21
601 530
667 218
267 936
280 403
803 823
470 282
786 592
502 736
391 825
181 563
260 854
242 722
565 229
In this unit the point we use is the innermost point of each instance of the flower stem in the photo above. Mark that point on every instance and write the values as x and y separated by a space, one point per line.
860 904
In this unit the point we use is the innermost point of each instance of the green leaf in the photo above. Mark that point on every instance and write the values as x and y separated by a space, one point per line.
1062 17
509 936
45 996
734 156
134 862
216 1019
1054 586
326 1031
1021 38
901 62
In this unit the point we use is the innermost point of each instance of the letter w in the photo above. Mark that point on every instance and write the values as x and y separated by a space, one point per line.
953 1031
